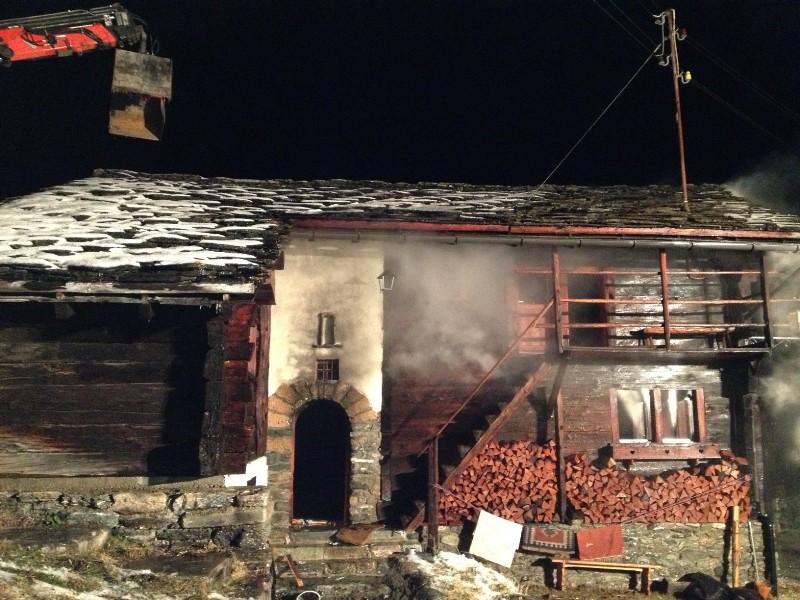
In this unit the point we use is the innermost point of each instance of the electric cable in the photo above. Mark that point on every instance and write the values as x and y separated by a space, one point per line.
743 79
741 114
632 22
624 28
600 116
722 65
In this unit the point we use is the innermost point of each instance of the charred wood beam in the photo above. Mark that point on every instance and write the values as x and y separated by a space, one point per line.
559 317
767 310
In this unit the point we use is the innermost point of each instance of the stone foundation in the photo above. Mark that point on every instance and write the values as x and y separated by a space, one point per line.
678 548
161 515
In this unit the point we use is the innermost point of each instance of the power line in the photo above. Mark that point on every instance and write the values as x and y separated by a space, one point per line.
744 80
605 110
739 113
622 25
632 22
717 62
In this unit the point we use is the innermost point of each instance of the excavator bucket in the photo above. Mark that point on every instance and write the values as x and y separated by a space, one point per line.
140 88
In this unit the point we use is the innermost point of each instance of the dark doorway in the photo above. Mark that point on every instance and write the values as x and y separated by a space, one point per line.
321 463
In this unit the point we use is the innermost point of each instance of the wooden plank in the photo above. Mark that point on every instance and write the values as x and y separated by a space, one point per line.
72 464
561 473
142 397
765 290
75 373
557 299
433 497
736 546
84 352
664 451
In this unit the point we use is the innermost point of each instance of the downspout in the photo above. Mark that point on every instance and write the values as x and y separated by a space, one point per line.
770 552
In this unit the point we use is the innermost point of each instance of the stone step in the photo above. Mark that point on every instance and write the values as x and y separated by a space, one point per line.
341 572
342 586
325 537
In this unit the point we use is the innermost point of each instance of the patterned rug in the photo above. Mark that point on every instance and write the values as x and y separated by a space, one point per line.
547 540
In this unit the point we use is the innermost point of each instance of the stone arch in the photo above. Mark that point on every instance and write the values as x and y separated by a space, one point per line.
283 407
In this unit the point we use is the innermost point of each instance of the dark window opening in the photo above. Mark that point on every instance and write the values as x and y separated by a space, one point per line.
326 330
663 416
533 288
328 370
321 463
586 315
659 424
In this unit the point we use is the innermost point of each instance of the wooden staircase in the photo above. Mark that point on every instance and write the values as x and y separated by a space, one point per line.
483 437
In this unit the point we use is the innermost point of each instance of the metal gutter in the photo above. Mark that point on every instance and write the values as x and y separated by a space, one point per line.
524 240
572 231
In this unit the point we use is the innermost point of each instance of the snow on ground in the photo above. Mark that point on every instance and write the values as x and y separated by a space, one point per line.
44 583
458 576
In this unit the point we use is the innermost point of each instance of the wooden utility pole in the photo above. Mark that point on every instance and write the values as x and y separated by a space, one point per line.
669 35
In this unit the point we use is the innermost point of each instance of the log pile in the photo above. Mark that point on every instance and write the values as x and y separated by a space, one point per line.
512 480
605 493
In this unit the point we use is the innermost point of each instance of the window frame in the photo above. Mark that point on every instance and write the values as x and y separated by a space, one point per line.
655 447
327 366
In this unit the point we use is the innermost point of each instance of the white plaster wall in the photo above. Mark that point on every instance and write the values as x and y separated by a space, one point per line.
339 277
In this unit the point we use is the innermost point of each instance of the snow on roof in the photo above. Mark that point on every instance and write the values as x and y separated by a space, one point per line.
127 226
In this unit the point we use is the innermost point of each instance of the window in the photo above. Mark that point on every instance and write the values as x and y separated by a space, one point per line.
658 418
326 331
328 369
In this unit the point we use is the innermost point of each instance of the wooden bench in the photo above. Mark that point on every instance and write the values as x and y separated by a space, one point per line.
719 336
562 564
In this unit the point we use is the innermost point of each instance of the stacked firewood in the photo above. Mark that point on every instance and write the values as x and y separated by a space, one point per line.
605 493
512 480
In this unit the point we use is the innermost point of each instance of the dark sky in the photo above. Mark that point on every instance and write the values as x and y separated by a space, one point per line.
480 92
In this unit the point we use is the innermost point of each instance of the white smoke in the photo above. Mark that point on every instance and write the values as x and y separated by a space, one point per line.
774 183
450 304
779 377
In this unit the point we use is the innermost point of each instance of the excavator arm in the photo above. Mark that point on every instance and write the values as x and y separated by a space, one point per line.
141 83
69 32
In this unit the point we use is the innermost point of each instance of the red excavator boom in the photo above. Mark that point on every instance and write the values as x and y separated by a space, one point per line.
70 32
142 82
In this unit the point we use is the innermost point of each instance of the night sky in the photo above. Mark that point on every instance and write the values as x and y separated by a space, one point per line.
478 92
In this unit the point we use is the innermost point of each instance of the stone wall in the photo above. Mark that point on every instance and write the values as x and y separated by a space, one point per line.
365 436
678 548
224 517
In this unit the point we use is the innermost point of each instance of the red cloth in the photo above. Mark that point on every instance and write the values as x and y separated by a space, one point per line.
599 542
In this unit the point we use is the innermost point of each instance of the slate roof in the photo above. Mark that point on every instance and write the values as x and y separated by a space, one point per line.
122 225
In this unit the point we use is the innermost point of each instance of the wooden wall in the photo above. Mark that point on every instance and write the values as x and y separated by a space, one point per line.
108 390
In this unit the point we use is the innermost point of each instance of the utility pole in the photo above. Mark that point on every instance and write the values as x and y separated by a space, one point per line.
669 35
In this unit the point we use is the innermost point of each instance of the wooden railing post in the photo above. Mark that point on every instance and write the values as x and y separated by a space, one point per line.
664 296
433 496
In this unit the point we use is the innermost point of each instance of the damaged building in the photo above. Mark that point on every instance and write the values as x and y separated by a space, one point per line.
357 352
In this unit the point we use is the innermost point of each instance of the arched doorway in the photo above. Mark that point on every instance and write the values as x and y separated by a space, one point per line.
321 463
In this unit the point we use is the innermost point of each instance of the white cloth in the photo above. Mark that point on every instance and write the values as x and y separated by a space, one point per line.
495 539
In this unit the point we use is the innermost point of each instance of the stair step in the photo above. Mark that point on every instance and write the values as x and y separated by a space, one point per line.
312 538
463 449
478 433
490 418
447 469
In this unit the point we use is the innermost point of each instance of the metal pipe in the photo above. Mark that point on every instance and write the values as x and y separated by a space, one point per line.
569 242
770 552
